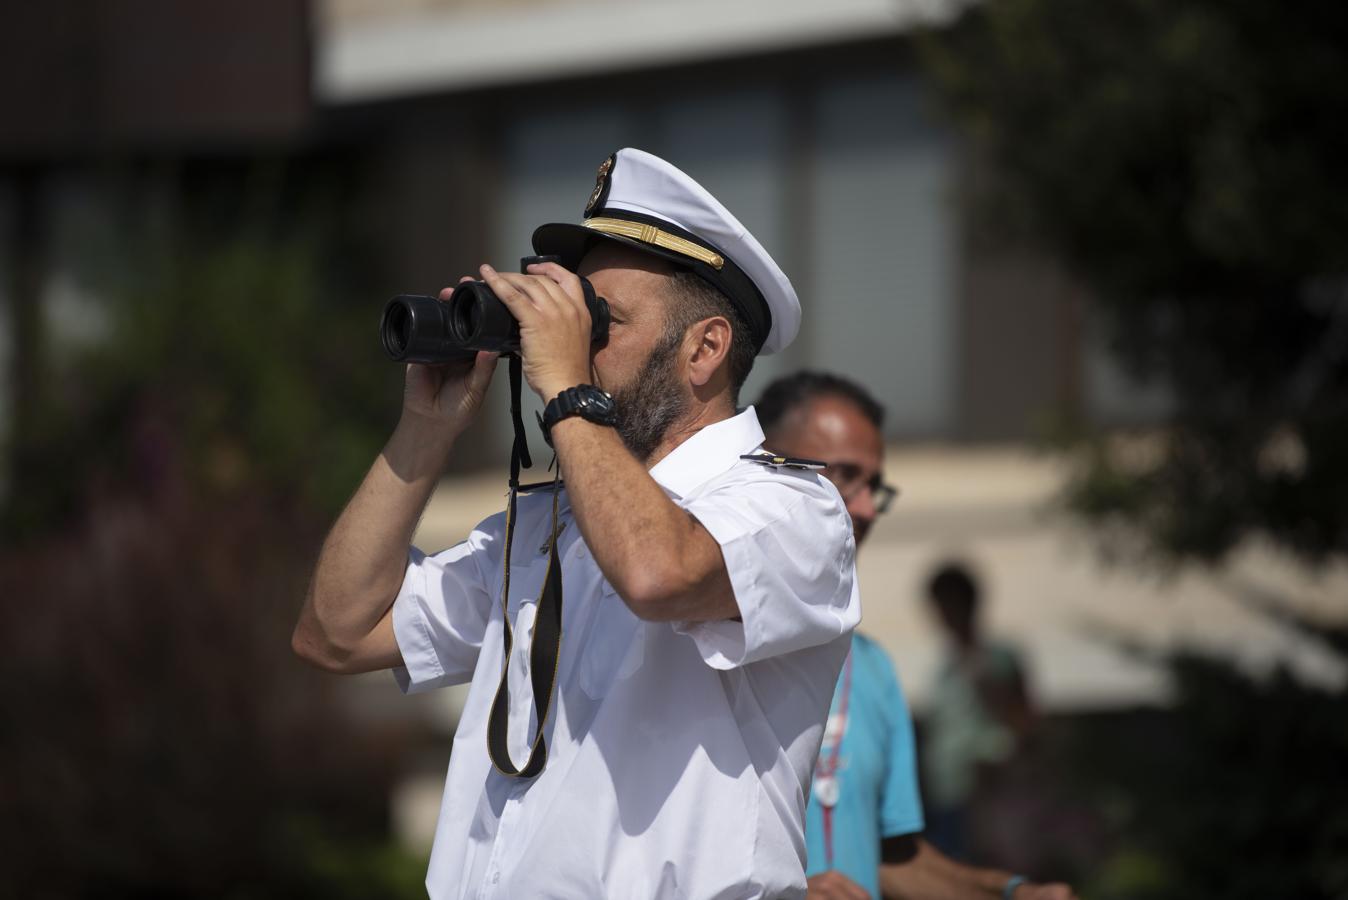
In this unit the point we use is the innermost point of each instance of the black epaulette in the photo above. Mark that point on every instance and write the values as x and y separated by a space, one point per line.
785 462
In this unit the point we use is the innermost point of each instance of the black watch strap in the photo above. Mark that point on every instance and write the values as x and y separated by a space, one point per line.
584 400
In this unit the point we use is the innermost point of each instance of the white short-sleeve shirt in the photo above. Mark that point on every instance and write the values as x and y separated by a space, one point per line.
679 755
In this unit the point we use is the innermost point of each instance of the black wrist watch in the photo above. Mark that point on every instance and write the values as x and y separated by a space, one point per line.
584 400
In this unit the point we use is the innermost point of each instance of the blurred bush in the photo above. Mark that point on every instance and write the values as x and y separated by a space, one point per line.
160 739
163 513
238 348
1178 158
1237 792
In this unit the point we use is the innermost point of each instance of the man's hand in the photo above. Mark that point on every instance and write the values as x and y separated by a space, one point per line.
833 885
447 397
555 326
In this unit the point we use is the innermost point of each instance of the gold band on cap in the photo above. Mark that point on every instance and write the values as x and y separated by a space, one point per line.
649 234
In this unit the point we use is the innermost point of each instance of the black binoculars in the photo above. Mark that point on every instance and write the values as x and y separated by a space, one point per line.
422 329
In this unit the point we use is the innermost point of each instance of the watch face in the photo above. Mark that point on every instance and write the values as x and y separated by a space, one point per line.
596 405
599 401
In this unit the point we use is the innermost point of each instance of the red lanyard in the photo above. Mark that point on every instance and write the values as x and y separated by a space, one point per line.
829 770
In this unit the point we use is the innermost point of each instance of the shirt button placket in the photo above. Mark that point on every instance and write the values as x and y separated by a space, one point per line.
504 831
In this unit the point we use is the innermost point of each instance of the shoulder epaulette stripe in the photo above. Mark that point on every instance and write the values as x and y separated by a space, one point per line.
784 462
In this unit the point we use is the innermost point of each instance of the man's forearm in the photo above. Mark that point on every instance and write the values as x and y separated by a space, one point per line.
928 874
931 875
364 557
658 558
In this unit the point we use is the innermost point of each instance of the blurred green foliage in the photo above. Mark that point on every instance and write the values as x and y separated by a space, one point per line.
163 510
1181 159
238 344
1238 792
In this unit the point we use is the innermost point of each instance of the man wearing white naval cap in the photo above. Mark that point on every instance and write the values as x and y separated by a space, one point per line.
710 589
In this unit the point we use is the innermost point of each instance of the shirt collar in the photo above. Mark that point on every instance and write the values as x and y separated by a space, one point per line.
708 453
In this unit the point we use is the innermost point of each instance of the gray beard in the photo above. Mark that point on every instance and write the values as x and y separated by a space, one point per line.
652 402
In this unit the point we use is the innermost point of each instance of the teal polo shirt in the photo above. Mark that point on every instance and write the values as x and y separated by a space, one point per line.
877 771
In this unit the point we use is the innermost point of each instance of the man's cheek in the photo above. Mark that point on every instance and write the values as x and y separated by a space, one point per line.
601 364
609 374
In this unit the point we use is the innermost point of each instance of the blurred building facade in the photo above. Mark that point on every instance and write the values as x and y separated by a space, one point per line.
810 122
468 123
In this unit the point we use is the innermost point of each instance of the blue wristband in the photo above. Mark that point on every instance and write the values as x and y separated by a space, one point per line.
1009 889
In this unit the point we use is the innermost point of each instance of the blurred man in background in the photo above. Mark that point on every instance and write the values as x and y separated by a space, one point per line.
864 820
980 711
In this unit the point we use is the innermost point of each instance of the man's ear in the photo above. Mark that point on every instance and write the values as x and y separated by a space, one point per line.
708 346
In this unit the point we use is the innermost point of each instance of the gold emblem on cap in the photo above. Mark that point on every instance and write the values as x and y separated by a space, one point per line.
600 179
649 234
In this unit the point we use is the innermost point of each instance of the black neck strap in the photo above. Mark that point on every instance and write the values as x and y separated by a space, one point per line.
547 643
519 450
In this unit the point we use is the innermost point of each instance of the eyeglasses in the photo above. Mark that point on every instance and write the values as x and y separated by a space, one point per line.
851 480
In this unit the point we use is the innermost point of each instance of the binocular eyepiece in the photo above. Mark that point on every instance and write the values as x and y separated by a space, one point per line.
422 329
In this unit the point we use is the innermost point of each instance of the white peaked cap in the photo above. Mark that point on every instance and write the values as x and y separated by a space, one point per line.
645 202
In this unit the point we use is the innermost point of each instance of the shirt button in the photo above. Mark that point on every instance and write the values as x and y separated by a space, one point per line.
496 879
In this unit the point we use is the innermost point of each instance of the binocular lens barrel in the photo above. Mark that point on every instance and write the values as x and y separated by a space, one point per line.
417 329
423 329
